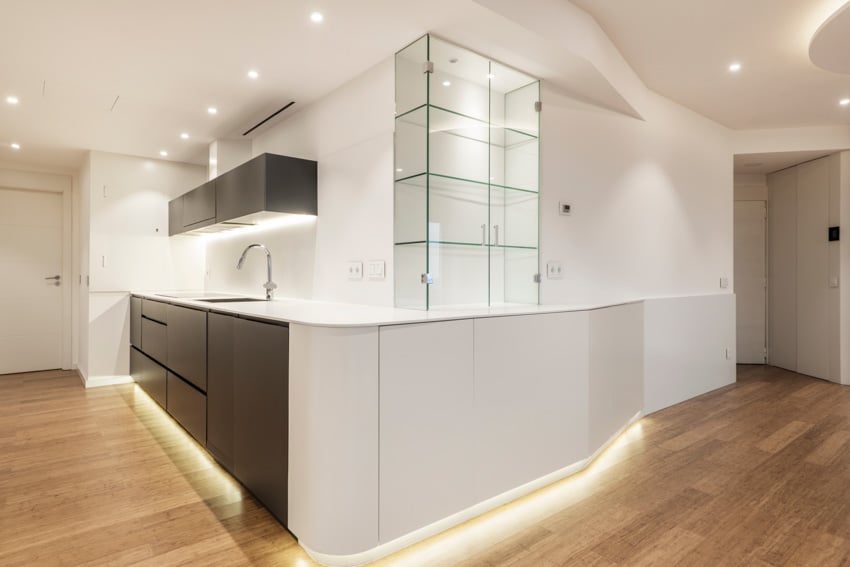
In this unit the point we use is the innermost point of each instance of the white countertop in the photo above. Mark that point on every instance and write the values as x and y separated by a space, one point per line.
329 314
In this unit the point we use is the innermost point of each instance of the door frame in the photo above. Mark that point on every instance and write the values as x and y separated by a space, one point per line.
21 178
766 250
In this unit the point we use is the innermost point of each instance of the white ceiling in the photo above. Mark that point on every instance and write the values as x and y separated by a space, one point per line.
682 50
168 60
772 162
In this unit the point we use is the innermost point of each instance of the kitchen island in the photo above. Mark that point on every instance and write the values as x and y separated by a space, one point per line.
402 423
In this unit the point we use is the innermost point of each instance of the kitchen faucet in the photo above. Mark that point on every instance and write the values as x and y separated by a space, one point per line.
269 286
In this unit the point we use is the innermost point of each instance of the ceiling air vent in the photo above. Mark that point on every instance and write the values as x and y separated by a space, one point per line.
267 118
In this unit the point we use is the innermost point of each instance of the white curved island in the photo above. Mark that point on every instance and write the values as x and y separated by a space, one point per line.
403 423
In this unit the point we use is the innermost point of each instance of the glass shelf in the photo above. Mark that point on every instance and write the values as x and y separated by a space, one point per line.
419 180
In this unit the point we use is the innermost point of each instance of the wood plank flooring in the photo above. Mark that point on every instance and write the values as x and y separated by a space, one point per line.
757 473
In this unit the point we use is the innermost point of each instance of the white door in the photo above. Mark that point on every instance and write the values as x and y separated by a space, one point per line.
750 280
30 293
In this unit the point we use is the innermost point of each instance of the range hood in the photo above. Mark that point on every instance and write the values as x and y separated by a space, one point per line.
266 187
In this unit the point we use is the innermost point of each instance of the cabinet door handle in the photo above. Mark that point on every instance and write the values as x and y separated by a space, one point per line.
53 278
496 230
483 234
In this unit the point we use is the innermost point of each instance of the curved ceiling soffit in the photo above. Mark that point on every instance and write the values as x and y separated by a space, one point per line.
830 45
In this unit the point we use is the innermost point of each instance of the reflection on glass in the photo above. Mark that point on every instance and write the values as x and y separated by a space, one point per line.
466 171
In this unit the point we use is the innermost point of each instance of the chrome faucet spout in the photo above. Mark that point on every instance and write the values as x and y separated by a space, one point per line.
269 286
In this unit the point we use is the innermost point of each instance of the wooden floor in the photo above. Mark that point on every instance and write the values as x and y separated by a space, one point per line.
757 473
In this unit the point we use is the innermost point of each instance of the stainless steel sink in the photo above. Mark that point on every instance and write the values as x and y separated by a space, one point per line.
230 299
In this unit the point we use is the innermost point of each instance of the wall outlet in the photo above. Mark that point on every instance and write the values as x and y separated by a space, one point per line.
355 270
375 269
724 282
564 208
554 270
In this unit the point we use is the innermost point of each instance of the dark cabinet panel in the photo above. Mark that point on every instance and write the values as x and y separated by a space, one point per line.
175 216
291 185
261 408
188 406
155 310
154 340
240 191
187 344
149 375
220 387
199 205
136 322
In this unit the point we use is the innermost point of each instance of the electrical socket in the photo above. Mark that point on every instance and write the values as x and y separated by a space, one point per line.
554 270
355 270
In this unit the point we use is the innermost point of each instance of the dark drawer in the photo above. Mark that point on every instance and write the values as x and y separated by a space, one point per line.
149 375
188 406
154 310
187 344
136 321
155 340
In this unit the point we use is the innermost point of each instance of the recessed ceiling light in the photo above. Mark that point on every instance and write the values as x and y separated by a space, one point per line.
317 17
844 101
252 74
184 135
12 99
163 153
399 170
735 67
212 110
15 146
447 83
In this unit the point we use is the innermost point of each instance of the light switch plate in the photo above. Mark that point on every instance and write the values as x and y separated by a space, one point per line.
724 283
375 269
355 270
554 270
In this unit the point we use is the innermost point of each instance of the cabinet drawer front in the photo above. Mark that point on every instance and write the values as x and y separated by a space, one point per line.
188 406
154 310
155 340
149 375
187 344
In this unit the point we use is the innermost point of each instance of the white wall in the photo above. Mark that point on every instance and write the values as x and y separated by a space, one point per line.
651 202
350 134
750 187
124 217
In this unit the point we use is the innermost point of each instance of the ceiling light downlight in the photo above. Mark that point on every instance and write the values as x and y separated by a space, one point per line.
253 74
15 146
317 17
844 101
163 153
184 136
212 110
11 99
734 67
447 83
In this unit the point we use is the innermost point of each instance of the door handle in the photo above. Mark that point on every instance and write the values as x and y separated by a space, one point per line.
496 230
54 278
483 235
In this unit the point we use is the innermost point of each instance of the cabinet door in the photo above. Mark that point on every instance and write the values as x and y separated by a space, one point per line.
261 408
220 388
240 191
531 392
149 375
154 339
426 445
199 205
136 322
187 344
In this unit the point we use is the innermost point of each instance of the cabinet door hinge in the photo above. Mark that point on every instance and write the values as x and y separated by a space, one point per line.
538 106
538 278
428 67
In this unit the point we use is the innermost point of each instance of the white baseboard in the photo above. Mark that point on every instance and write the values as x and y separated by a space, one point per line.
98 381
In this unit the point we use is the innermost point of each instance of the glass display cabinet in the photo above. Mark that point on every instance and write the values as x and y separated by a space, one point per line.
466 179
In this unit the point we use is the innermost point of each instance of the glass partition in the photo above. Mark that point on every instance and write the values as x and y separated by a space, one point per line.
466 179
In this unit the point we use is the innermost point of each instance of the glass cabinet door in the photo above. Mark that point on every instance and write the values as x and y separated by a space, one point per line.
466 179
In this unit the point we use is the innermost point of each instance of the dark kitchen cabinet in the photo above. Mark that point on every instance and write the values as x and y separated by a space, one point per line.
154 340
220 388
187 344
261 411
188 406
199 206
268 182
155 310
149 375
136 322
175 216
